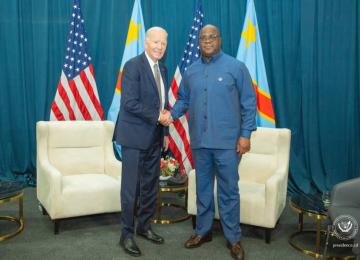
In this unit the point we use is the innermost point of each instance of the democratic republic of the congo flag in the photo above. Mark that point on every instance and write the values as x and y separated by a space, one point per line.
250 52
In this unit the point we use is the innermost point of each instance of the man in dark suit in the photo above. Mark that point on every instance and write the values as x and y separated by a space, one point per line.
141 135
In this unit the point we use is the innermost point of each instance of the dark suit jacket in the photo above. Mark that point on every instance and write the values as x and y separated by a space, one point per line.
137 124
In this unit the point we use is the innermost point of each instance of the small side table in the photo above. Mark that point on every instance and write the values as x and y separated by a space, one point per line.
11 191
310 206
158 219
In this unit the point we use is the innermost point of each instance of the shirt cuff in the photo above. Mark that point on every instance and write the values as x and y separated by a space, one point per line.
245 133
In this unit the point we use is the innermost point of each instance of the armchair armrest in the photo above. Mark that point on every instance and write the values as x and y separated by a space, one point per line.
113 167
276 189
49 185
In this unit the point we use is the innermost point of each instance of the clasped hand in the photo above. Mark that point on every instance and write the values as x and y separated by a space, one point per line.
165 117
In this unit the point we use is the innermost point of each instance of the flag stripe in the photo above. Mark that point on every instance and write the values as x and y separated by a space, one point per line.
63 98
66 95
56 112
118 83
77 98
90 86
264 104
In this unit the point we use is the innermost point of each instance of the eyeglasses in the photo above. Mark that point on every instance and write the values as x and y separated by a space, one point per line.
211 37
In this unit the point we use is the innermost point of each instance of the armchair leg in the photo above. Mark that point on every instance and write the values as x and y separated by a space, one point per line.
43 210
56 226
193 220
268 235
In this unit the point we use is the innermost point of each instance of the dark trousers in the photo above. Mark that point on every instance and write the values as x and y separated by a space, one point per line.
139 181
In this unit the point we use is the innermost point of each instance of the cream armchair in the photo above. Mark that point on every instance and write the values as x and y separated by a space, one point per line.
77 172
263 180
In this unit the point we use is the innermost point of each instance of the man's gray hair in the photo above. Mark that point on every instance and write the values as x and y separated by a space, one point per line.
155 28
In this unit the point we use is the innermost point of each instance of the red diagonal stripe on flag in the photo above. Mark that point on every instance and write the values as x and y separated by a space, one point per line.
90 90
59 116
82 107
63 95
264 103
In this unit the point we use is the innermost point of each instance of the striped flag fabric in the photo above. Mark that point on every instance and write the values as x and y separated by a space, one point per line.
76 97
179 130
134 46
250 52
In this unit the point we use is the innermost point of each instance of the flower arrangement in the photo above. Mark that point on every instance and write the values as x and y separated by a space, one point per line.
169 167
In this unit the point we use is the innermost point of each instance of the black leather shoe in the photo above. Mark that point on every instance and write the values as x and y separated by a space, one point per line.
197 240
151 236
129 246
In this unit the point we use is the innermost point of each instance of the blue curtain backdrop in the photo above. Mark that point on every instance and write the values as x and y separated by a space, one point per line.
311 51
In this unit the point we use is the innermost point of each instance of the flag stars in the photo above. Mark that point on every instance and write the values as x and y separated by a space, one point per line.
76 57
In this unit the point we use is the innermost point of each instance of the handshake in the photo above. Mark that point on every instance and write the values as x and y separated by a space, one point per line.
165 117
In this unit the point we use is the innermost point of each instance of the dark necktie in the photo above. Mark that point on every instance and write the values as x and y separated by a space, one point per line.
158 82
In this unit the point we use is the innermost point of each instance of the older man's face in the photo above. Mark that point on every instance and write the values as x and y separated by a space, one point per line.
155 44
209 41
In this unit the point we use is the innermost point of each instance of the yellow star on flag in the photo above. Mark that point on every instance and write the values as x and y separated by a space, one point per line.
133 32
249 34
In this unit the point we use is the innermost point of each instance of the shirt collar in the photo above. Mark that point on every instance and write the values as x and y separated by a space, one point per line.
151 62
213 58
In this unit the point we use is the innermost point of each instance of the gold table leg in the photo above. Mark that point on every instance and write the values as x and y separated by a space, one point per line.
19 221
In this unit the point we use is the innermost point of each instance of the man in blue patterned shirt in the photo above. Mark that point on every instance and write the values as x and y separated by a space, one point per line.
217 92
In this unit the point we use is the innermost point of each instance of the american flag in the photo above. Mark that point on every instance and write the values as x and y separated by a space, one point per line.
76 97
179 130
